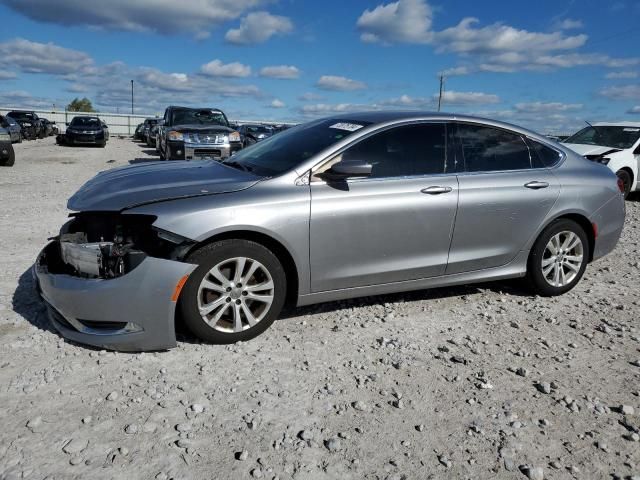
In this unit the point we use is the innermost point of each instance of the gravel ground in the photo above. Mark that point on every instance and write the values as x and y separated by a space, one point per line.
473 382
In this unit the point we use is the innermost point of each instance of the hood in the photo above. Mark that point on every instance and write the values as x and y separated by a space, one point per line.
585 150
201 128
127 187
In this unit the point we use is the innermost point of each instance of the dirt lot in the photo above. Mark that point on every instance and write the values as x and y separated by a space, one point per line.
474 382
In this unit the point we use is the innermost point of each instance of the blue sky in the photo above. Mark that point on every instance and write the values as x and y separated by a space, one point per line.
548 65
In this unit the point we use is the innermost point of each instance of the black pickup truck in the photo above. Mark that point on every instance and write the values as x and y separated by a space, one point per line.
196 134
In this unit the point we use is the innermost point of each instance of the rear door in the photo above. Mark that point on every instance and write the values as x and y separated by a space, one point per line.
505 194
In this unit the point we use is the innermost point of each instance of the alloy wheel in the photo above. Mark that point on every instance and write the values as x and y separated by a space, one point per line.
235 294
562 259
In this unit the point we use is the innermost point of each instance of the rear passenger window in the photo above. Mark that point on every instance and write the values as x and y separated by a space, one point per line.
487 149
546 156
403 151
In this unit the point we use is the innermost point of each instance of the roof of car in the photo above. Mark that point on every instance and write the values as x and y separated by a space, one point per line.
385 116
616 124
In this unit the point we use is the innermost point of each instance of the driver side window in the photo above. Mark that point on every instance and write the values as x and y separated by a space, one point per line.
410 150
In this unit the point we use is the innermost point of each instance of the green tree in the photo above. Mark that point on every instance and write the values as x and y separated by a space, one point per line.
80 105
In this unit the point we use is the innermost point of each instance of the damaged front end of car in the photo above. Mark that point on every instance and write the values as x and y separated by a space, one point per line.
109 245
112 280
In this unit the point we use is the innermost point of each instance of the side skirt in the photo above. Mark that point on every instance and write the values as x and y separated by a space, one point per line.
515 269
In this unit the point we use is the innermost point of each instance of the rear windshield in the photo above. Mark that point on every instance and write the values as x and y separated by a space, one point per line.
21 115
285 151
258 129
85 122
606 136
199 117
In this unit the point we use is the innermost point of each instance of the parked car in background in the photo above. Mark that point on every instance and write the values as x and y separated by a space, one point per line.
7 154
12 127
85 130
47 127
253 133
29 122
153 134
616 145
146 128
197 134
306 216
137 135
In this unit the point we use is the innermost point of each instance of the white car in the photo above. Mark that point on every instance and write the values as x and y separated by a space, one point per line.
616 145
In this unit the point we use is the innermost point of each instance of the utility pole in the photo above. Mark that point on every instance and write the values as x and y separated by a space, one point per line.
131 97
441 91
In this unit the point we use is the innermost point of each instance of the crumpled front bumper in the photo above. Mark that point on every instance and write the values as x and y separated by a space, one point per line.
134 312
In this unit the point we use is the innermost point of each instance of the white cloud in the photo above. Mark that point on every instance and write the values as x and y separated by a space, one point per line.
280 71
165 81
7 75
626 92
455 71
344 84
569 24
277 104
406 101
34 57
634 110
216 68
621 75
404 21
320 109
546 107
258 27
491 48
452 97
198 17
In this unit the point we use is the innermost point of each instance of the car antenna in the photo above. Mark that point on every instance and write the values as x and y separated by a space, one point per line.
595 128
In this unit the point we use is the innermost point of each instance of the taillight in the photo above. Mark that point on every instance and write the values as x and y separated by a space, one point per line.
595 229
620 185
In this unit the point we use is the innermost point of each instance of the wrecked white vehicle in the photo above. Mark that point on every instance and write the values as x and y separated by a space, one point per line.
616 145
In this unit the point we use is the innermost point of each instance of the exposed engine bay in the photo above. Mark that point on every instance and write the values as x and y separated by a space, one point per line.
108 245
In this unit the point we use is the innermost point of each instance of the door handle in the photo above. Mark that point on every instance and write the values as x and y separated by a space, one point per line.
536 185
435 190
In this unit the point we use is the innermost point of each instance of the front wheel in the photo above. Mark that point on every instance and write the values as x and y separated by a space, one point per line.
558 259
236 293
626 181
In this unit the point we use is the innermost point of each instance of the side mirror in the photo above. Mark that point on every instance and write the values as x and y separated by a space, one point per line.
67 124
349 168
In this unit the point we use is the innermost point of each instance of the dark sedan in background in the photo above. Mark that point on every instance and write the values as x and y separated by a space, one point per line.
12 127
86 131
253 133
29 122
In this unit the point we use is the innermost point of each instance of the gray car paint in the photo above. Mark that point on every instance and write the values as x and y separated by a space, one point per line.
366 239
125 187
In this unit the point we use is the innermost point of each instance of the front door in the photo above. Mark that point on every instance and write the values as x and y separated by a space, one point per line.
392 226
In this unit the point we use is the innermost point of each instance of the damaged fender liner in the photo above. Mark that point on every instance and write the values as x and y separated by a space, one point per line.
109 245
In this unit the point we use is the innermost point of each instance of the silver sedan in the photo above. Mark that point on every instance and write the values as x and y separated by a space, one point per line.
354 205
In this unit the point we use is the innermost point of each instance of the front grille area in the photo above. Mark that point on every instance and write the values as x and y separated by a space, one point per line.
207 152
205 138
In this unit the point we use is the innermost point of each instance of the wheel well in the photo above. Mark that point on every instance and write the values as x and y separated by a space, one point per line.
629 171
279 250
586 226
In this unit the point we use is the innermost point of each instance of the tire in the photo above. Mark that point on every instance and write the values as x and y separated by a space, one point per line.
540 262
103 144
224 255
626 180
9 162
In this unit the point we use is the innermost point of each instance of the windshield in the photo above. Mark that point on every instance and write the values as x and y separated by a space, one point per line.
607 136
21 115
258 129
287 150
199 117
85 122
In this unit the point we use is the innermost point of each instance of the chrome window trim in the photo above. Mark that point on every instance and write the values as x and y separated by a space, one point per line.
382 128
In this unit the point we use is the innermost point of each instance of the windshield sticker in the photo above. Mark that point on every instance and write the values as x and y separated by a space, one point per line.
350 127
632 130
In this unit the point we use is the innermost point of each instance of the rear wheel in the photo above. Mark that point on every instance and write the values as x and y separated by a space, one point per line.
236 293
558 259
626 181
